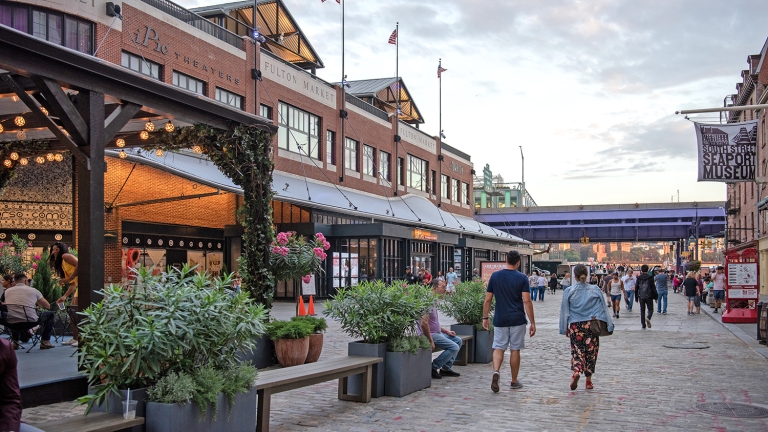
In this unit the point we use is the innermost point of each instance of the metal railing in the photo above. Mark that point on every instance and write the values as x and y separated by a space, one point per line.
365 106
196 21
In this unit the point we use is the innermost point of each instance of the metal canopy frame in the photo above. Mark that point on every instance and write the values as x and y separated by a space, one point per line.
75 89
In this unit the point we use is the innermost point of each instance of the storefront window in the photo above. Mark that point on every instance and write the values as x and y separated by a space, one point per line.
422 256
299 131
392 260
454 189
446 258
354 261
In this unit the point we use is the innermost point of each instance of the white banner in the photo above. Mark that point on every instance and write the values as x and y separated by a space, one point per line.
727 152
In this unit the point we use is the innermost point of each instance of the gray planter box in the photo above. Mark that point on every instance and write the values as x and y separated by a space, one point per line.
355 382
484 346
262 356
407 373
464 329
114 405
186 417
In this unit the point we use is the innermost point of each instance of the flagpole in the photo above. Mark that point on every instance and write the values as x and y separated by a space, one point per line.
397 68
342 140
440 128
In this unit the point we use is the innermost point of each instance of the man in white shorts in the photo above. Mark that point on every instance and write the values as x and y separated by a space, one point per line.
513 303
450 280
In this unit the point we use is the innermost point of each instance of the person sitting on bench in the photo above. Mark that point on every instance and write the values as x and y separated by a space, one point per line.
440 338
21 300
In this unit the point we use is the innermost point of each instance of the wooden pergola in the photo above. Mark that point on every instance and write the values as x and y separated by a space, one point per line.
90 102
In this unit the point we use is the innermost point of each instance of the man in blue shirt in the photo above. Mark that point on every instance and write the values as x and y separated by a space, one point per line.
661 281
450 280
513 303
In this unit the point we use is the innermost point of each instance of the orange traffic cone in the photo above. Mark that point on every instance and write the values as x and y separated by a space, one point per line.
311 310
302 311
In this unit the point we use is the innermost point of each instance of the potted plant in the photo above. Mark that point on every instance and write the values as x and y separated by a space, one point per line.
408 366
466 307
319 325
291 340
378 313
203 400
295 257
173 322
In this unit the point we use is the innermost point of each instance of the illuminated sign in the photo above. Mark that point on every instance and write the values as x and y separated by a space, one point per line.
424 235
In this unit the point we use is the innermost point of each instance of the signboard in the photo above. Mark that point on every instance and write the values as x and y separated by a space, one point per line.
742 274
487 178
487 268
297 80
727 152
739 293
416 137
419 234
308 288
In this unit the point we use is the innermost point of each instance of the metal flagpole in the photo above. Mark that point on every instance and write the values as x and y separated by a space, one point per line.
397 68
342 140
440 128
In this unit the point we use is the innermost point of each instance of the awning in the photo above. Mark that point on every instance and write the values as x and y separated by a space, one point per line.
410 210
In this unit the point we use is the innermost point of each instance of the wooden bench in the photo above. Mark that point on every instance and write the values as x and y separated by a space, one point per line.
94 422
462 358
279 380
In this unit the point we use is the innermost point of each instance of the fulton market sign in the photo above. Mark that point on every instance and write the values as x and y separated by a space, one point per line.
296 80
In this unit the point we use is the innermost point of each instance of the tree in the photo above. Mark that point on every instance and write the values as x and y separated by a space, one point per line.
584 252
694 266
636 254
571 255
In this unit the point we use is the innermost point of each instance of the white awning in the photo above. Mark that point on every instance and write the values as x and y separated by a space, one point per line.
410 209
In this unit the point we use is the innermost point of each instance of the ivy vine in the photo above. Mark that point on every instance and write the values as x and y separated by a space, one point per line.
25 148
242 154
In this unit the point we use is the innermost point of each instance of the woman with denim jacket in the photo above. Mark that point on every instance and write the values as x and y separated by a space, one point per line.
581 304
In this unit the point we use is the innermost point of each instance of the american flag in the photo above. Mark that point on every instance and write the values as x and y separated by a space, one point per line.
440 70
393 37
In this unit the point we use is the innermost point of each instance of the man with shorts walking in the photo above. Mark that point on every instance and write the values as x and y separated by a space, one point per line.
718 290
513 303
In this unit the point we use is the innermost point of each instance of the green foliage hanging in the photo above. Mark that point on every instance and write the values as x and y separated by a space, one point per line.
25 148
242 154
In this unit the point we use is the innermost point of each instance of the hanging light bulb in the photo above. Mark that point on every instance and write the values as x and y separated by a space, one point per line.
19 121
49 157
59 157
24 161
45 111
14 156
197 149
149 127
40 160
144 135
8 163
159 153
21 134
169 127
120 142
123 154
15 98
1 128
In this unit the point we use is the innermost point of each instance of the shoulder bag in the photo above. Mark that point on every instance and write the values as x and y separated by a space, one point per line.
599 327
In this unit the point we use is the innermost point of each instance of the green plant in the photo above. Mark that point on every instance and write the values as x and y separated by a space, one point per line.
294 256
466 304
174 388
409 344
175 321
238 380
289 329
13 256
43 279
319 325
209 382
694 266
378 312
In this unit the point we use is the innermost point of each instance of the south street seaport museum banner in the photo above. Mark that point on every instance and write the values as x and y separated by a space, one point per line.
727 152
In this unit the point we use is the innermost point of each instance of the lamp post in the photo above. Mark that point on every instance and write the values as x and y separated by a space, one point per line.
522 197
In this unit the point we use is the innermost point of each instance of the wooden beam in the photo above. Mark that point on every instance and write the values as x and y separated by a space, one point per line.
119 118
63 108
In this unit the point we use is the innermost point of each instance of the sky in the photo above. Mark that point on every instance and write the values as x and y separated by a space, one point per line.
589 88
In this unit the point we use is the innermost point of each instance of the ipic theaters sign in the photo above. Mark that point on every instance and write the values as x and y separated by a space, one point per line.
298 81
727 152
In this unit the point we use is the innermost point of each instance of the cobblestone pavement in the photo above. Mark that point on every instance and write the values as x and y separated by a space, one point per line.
639 384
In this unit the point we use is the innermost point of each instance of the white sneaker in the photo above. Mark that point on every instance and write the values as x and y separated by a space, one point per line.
73 344
69 342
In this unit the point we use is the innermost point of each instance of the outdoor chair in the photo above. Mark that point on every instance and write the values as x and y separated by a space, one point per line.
18 321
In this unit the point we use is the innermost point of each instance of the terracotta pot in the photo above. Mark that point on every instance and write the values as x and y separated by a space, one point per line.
315 347
291 352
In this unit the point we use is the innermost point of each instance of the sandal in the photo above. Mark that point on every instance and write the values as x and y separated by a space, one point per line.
575 380
589 384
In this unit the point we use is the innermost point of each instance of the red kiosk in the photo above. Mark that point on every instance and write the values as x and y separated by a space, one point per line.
742 291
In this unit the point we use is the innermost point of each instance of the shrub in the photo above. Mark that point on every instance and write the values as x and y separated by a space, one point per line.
378 312
43 280
466 304
174 388
289 329
409 344
319 325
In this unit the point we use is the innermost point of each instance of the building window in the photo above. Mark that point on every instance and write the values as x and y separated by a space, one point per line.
140 65
417 173
189 83
400 171
444 186
384 165
433 183
58 28
229 98
350 154
265 111
392 260
465 193
369 160
330 147
299 131
446 258
354 260
455 189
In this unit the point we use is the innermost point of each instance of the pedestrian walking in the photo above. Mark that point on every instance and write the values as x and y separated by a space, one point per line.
676 283
542 286
645 290
450 281
691 288
552 283
566 282
513 303
533 283
662 285
607 290
718 287
697 301
617 290
581 304
629 288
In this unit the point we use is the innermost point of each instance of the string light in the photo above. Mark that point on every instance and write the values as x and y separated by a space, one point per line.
159 153
197 149
144 135
149 127
49 157
40 160
1 128
14 156
123 154
14 98
120 142
24 161
45 111
8 163
21 134
169 127
19 121
59 157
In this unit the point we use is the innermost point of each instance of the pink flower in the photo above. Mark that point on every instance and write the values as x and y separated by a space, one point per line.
37 257
282 238
319 252
34 266
306 278
326 245
320 237
280 250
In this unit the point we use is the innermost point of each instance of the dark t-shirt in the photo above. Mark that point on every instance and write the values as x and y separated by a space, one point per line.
508 287
691 287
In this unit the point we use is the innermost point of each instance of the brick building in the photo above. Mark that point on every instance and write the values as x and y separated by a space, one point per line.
347 162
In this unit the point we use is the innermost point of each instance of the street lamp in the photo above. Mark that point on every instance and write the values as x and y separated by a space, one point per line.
522 197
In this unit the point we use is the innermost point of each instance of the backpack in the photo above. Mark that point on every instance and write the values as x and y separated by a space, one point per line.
643 288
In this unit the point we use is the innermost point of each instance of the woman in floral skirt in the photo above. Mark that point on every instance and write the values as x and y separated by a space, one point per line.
581 304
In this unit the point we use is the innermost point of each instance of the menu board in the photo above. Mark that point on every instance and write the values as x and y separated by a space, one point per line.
742 274
487 268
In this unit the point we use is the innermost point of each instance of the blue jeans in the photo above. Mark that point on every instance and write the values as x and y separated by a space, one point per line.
662 297
541 292
630 299
450 346
534 293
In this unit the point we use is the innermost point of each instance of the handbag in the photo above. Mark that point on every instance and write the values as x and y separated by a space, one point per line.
599 328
